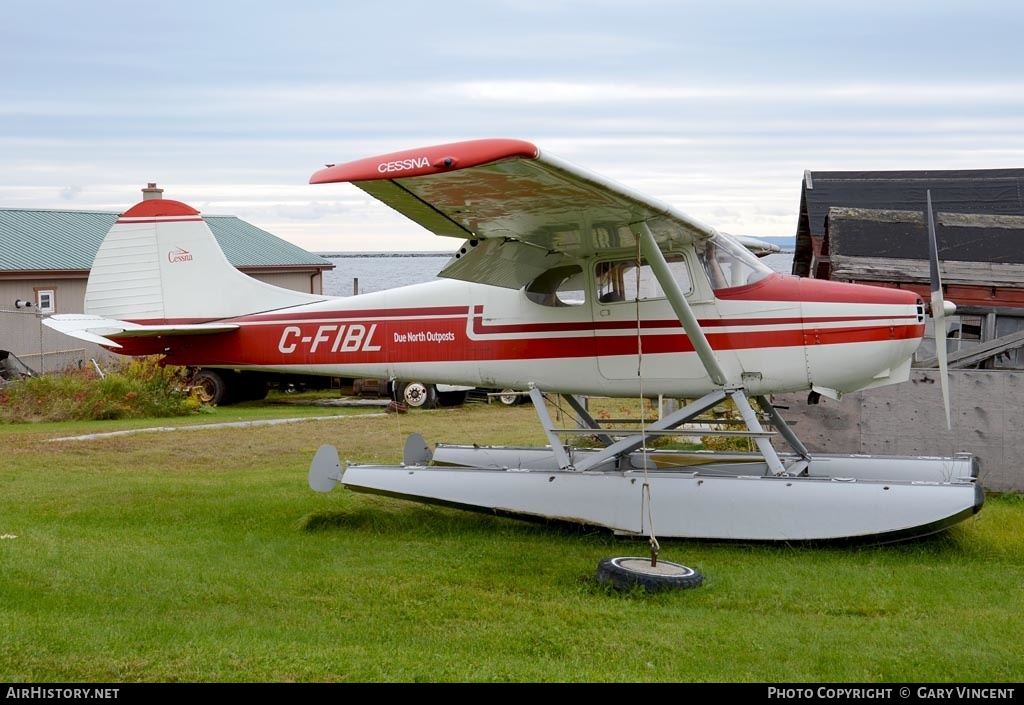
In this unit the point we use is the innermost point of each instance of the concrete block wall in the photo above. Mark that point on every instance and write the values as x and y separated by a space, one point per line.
987 414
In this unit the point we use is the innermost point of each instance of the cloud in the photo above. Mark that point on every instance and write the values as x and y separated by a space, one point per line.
69 193
716 108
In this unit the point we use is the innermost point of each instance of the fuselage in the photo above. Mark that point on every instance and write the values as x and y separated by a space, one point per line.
778 334
579 287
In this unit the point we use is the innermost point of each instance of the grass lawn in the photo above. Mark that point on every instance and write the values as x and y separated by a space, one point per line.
201 555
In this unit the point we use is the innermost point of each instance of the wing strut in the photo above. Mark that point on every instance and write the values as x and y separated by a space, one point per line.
764 444
537 397
681 308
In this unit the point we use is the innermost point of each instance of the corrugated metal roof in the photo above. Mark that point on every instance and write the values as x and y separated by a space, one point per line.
42 239
245 245
51 239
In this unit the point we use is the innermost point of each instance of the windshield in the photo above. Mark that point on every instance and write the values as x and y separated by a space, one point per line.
729 264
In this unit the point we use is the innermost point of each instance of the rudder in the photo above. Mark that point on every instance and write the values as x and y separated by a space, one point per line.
160 263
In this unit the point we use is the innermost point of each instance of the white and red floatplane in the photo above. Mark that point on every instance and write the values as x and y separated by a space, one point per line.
569 284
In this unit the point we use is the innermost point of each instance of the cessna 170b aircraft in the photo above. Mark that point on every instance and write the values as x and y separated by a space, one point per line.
565 283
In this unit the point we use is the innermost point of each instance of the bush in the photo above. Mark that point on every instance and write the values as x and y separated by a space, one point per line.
134 389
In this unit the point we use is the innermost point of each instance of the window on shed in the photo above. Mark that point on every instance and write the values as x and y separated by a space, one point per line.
964 333
46 300
1009 359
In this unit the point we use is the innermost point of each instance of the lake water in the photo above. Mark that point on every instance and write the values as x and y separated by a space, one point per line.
381 270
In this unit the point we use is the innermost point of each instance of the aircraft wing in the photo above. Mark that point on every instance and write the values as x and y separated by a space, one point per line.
761 248
520 211
95 329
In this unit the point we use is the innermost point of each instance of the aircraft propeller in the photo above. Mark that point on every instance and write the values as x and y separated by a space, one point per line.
940 309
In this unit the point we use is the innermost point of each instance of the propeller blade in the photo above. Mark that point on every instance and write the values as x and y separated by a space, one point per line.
938 310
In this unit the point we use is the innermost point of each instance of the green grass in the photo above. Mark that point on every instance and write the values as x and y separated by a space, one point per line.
203 556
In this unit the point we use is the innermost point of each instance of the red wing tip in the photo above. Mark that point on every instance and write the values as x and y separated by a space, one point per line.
427 160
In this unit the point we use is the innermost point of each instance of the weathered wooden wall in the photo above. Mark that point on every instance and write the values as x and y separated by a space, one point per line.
987 413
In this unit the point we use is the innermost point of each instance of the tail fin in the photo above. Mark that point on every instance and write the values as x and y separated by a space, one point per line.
161 264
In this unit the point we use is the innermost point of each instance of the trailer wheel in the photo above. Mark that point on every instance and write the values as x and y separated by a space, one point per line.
510 397
210 387
625 573
417 395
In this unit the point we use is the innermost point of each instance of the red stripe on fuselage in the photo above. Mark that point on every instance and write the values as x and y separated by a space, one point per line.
360 316
480 328
397 336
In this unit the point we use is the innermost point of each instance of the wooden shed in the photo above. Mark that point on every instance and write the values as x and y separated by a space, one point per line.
870 227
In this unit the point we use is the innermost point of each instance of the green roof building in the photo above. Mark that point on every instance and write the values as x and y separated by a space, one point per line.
46 255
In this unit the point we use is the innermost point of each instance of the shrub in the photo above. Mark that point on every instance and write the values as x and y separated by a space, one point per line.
136 388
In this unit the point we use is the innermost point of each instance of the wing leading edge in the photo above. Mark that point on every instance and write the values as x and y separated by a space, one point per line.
513 204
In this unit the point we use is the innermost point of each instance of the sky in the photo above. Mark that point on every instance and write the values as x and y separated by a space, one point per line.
716 107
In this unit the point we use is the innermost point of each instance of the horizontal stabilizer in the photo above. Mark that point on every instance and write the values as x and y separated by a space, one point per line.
95 329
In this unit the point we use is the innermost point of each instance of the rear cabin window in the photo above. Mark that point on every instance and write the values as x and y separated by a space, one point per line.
561 286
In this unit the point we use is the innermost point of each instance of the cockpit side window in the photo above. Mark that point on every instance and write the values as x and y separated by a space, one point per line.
561 286
623 280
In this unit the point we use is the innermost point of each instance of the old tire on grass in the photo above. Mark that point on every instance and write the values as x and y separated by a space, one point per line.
626 572
417 395
211 386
